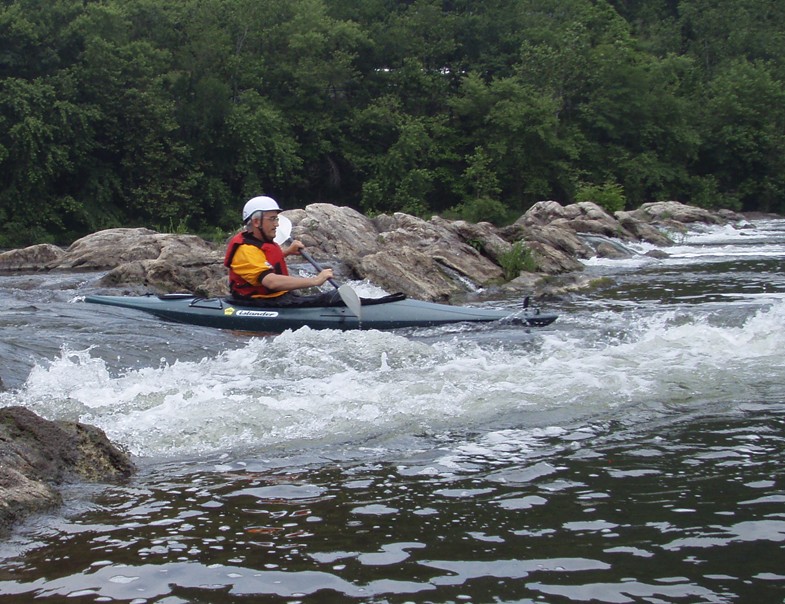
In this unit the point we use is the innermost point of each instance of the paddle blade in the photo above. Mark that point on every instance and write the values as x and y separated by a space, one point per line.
284 231
351 299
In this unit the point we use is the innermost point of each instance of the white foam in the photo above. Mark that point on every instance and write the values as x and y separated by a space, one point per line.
333 387
708 243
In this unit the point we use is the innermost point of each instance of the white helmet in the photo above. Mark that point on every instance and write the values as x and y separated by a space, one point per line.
259 204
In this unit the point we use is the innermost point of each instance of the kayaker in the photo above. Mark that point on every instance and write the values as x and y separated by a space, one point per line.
257 267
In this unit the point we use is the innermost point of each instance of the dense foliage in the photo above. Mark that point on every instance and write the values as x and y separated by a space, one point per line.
171 113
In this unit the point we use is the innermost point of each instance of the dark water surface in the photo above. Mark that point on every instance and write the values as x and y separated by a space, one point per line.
632 452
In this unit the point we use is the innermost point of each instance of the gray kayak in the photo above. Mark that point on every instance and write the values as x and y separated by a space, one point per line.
391 312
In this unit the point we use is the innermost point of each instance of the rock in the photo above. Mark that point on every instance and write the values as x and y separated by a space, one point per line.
559 238
673 215
525 282
393 271
555 229
37 455
428 259
33 258
483 236
642 231
556 249
542 213
551 260
437 240
731 216
588 217
144 260
113 247
550 285
608 250
21 496
398 252
583 217
205 280
335 231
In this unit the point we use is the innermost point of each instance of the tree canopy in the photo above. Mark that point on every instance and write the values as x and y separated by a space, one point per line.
171 114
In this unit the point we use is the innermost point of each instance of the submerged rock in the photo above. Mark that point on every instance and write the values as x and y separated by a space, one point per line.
37 455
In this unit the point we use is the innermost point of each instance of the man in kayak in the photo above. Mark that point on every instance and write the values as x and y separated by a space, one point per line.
257 267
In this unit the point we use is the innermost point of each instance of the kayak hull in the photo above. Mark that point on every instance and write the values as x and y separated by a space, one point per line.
394 314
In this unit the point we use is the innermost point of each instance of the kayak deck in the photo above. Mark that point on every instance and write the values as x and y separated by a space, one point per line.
395 313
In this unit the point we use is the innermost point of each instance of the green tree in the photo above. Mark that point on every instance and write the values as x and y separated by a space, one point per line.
609 196
40 142
479 178
628 112
150 112
265 155
519 131
136 140
721 31
408 173
744 148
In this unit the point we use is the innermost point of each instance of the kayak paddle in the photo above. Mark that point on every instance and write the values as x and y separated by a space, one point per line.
348 295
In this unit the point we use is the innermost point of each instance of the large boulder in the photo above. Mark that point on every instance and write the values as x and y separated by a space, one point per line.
335 231
37 455
140 276
143 259
642 231
394 271
33 258
436 240
113 247
557 249
482 236
398 252
583 217
559 236
542 213
674 215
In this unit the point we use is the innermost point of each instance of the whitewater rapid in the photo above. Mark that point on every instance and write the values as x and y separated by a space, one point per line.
313 388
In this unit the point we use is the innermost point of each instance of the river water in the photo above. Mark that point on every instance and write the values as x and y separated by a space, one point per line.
631 452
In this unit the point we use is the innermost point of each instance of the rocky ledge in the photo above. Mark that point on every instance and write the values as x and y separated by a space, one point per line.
37 456
434 259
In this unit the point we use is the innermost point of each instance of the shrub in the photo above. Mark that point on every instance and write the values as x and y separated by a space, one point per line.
484 209
518 258
609 196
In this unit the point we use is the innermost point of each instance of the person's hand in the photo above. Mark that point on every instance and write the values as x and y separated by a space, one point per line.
294 248
324 276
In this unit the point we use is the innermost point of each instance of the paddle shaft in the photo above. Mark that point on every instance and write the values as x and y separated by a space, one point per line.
318 267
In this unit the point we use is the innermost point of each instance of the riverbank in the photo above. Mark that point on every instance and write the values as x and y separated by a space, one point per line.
433 260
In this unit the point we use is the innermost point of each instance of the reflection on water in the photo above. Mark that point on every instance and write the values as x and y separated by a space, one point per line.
685 511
